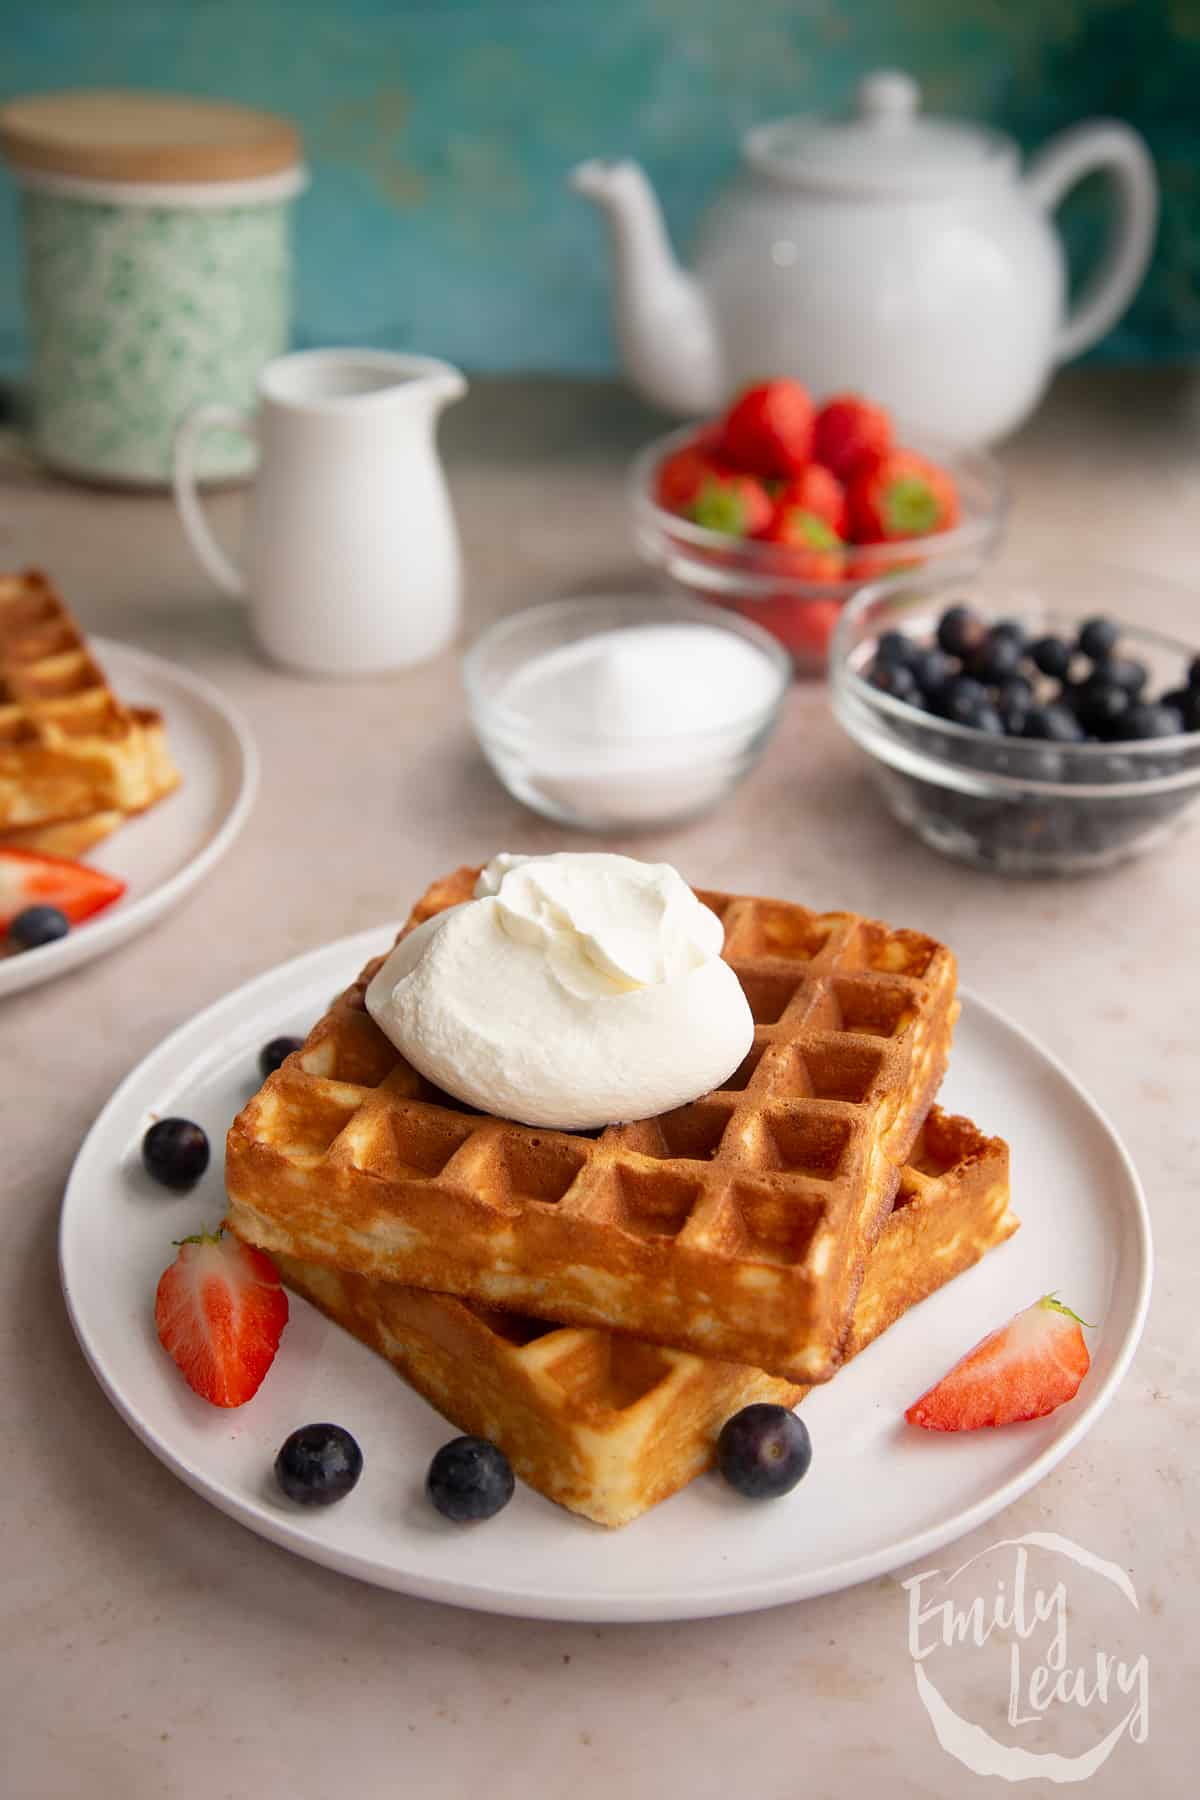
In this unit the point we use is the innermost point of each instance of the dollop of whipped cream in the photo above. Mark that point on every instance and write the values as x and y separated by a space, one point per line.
573 991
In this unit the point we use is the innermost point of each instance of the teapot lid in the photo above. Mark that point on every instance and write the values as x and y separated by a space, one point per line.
885 147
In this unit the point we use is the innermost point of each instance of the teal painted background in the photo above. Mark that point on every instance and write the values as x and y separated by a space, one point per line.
439 134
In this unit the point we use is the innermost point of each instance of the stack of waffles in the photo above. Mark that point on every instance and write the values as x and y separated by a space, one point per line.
598 1304
74 761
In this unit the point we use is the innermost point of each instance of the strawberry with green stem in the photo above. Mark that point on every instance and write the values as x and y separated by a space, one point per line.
736 505
901 495
1025 1370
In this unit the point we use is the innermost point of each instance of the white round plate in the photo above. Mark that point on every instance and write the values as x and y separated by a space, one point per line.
878 1495
165 852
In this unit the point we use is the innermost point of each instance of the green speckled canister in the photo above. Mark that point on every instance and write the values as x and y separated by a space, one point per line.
158 274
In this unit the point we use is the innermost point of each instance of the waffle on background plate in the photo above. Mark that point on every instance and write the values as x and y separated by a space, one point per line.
609 1425
736 1227
75 762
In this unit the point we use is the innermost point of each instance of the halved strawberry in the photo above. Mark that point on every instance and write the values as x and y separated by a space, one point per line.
29 878
220 1312
1022 1371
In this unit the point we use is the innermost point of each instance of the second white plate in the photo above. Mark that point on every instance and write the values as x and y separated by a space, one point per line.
165 852
878 1494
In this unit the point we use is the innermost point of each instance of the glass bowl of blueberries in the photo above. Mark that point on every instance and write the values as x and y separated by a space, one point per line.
1031 726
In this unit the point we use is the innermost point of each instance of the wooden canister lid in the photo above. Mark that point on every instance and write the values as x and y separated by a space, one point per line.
109 135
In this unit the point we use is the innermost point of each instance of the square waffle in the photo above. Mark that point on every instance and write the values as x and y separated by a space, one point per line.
608 1425
736 1226
71 755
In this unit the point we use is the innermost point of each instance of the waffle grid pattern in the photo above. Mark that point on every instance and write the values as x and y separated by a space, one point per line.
736 1226
72 756
609 1425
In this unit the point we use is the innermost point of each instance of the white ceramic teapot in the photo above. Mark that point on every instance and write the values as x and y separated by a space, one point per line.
905 257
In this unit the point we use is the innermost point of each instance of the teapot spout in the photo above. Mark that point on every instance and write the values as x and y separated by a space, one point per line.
663 325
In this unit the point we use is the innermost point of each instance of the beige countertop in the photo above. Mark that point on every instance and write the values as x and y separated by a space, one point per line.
151 1646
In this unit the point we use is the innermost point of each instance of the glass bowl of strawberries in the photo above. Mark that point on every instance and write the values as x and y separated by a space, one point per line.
781 510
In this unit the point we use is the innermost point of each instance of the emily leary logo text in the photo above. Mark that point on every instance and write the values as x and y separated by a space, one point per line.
1042 1678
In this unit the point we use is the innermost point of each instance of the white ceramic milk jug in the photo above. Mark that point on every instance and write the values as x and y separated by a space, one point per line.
353 564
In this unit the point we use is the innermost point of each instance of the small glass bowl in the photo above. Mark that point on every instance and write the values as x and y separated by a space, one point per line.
603 783
1020 806
757 581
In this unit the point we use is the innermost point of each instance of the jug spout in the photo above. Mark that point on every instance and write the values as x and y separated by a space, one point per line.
442 383
663 324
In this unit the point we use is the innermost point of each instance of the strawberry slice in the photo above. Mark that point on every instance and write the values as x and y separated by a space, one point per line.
28 878
220 1313
1022 1371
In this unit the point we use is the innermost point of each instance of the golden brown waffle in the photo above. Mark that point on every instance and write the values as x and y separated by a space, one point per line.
607 1425
736 1226
68 747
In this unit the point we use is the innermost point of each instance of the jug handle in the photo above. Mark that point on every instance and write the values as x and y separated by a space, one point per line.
223 570
1116 150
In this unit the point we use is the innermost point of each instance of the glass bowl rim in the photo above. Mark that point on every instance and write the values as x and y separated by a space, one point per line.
845 679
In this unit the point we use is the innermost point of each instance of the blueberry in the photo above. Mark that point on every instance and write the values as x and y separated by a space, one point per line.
272 1055
1016 691
1125 673
37 925
1013 717
959 631
995 659
1186 702
1098 706
987 717
469 1478
1194 672
175 1152
318 1464
1012 629
1147 720
763 1451
1052 657
1098 638
894 679
931 668
958 699
1056 722
894 647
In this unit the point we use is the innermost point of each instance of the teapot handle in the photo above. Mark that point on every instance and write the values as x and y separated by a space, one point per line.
1120 153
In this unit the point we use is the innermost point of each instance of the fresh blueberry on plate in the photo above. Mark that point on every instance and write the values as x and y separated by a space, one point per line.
318 1464
275 1053
469 1478
34 926
764 1450
175 1152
